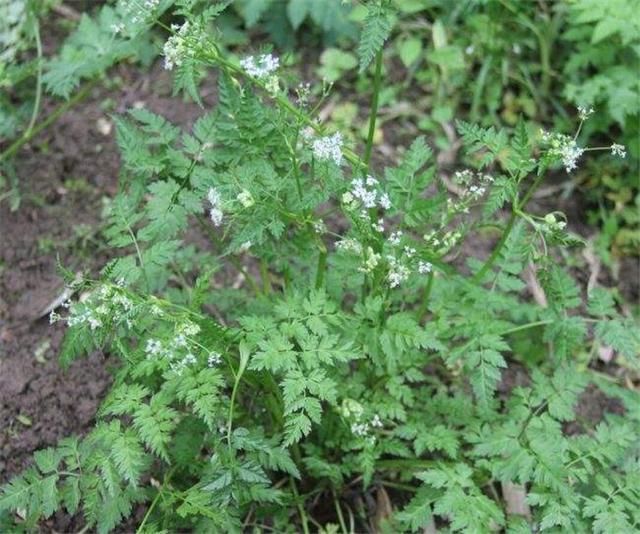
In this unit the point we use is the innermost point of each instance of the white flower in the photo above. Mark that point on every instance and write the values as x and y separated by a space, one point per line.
565 148
117 28
476 191
245 246
189 359
319 227
398 272
424 267
585 113
303 92
328 148
618 150
360 429
395 237
571 153
260 67
359 190
379 226
214 359
190 329
180 341
376 422
371 262
384 201
245 198
215 213
177 47
153 348
409 251
349 245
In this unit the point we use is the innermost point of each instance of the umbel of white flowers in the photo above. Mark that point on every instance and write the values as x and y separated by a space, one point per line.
260 66
215 212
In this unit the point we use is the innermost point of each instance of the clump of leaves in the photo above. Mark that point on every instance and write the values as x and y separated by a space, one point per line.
370 351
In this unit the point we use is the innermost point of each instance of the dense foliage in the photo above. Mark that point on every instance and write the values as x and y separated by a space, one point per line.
368 348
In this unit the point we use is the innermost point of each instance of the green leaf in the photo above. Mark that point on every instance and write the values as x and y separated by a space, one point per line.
410 50
297 10
47 460
376 30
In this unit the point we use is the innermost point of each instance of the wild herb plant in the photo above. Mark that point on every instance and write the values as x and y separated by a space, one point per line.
365 348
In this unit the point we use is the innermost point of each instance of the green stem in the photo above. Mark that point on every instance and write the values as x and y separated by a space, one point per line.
264 273
401 463
244 360
425 297
58 112
517 206
373 113
303 515
343 525
497 250
322 266
155 501
525 327
36 104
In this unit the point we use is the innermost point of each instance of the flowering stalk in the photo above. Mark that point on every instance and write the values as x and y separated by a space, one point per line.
373 115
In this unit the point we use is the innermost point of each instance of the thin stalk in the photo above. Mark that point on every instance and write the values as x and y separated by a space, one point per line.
322 267
36 104
264 273
244 360
497 250
148 514
343 525
425 297
373 113
303 515
507 231
525 327
155 501
57 113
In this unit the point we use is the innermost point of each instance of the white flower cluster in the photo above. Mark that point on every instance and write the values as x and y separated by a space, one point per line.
107 304
363 429
117 28
403 263
181 44
563 147
551 225
398 271
140 11
214 359
354 411
303 93
442 243
371 261
584 113
328 148
215 212
179 350
367 192
260 67
618 150
245 198
475 184
349 245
